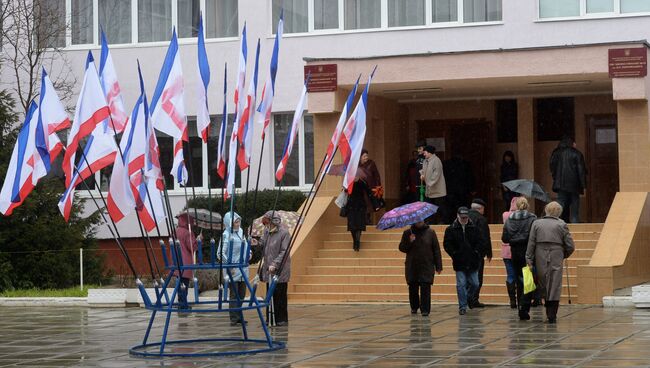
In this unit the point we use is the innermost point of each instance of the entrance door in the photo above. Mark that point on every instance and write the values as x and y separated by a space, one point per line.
602 162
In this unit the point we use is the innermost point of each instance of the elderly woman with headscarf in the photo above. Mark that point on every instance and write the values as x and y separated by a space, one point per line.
235 250
275 244
550 242
188 244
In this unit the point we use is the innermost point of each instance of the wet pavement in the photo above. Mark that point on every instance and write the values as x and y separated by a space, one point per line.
337 335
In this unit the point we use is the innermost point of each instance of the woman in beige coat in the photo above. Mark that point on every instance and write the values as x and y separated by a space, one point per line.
550 242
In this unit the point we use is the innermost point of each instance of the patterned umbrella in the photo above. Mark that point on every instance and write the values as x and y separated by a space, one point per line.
405 215
289 222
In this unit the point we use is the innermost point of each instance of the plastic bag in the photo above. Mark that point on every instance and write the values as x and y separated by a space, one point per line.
529 281
342 199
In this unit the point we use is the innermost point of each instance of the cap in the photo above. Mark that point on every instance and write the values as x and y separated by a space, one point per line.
479 201
430 149
463 211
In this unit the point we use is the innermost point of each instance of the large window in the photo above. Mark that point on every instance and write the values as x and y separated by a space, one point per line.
154 20
49 23
82 22
586 8
295 15
300 167
559 8
188 18
444 11
635 6
362 14
326 14
221 18
481 11
405 13
115 19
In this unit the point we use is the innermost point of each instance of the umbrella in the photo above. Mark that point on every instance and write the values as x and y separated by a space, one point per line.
528 188
289 222
204 217
406 215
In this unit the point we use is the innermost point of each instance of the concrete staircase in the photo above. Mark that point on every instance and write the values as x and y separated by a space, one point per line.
376 272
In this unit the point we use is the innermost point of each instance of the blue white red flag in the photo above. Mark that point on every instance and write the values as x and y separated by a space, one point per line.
353 136
336 136
241 77
91 110
232 160
293 132
202 112
246 125
221 145
268 92
168 107
18 181
111 88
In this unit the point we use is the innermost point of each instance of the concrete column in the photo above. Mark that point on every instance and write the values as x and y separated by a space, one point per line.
526 137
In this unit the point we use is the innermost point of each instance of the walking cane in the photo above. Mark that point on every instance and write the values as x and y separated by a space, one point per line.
568 287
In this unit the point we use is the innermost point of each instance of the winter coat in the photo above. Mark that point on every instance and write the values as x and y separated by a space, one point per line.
482 224
463 246
549 243
188 245
516 231
434 177
423 256
357 206
275 244
568 169
505 247
234 248
369 173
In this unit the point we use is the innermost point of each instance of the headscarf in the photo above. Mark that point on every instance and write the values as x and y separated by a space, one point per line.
274 217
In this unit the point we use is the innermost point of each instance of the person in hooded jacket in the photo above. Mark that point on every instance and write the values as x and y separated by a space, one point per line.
516 232
423 258
188 247
275 244
569 178
235 249
463 243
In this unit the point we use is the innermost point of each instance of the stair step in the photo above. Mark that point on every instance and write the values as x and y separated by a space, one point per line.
395 278
581 245
495 235
341 249
374 261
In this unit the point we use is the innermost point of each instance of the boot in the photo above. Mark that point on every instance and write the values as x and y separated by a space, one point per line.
551 310
512 294
524 307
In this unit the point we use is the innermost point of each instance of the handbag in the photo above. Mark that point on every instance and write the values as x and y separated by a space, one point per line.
342 199
344 211
529 281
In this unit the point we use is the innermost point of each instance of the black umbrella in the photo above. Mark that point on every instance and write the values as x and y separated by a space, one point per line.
529 188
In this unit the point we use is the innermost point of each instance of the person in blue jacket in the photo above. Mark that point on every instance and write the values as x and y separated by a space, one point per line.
234 249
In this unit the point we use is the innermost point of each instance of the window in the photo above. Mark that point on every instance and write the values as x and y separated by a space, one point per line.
82 22
559 8
188 18
49 23
405 13
577 8
154 20
362 14
215 180
600 6
193 155
166 148
444 11
326 14
115 19
635 6
506 111
300 167
555 118
481 11
295 15
221 18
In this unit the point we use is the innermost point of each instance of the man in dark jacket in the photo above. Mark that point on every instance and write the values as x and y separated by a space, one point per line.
422 259
477 216
569 178
463 244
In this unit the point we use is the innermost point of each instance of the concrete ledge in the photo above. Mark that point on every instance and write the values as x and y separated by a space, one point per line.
641 296
617 302
44 302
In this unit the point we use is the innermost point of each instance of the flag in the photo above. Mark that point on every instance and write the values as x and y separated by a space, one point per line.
202 112
245 132
99 152
91 110
268 92
334 142
221 145
241 76
168 107
351 142
232 160
52 117
293 132
18 181
111 88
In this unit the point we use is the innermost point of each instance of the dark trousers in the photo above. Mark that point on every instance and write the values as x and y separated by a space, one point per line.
474 298
420 296
519 262
182 293
236 290
570 203
279 303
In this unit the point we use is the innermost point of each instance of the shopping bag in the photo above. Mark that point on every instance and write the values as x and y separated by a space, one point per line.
342 199
529 281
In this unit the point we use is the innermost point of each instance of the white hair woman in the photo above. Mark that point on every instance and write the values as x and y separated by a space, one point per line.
550 242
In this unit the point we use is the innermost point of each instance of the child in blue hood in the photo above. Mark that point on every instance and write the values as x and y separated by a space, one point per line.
234 249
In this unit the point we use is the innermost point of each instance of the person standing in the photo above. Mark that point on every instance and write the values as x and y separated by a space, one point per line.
509 171
516 232
275 244
369 173
477 215
235 249
355 210
506 254
549 244
569 178
188 246
463 242
423 258
434 179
